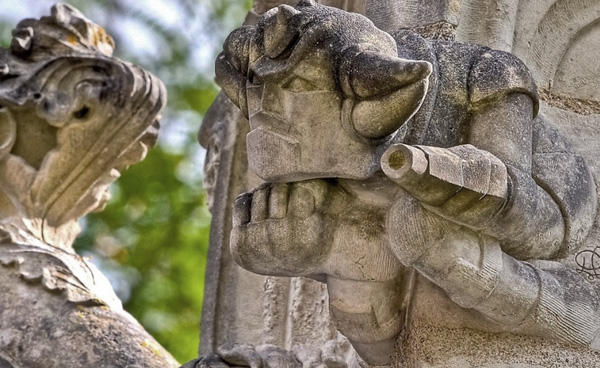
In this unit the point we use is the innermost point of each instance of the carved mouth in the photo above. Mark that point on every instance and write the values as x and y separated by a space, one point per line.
272 155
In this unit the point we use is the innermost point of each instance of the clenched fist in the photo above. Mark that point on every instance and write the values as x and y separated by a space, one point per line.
313 228
279 229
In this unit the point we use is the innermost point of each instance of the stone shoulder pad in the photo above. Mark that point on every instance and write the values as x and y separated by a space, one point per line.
495 74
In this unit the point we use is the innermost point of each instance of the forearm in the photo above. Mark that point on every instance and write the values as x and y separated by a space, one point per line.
477 275
530 225
473 188
518 296
524 298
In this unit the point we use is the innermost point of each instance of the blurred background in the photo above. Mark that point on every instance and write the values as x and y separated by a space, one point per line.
152 239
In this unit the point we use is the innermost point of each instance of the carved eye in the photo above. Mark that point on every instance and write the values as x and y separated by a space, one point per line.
82 113
254 79
300 85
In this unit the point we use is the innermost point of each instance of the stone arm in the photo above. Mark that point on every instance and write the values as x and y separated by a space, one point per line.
470 238
333 234
531 224
551 195
540 298
488 185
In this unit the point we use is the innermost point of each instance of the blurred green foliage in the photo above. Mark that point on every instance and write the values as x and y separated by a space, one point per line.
151 240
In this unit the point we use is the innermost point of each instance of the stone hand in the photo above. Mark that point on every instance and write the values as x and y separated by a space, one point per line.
334 234
312 228
278 229
462 183
473 188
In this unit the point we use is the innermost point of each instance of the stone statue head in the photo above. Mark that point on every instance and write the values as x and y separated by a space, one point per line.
323 89
71 119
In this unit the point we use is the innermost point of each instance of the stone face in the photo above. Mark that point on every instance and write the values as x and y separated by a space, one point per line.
71 119
409 173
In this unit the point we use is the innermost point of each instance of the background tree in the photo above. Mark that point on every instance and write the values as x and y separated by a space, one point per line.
152 238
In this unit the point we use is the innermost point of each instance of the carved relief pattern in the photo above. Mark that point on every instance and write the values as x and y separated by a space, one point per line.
553 38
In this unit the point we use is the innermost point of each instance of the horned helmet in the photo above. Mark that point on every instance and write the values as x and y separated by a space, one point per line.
324 91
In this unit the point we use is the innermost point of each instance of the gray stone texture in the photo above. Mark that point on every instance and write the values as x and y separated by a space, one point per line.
71 119
450 212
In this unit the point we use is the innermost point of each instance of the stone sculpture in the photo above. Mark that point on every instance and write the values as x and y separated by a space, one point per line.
396 163
71 119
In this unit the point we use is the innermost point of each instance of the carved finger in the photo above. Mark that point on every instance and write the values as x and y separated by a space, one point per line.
278 200
465 207
260 204
498 186
241 209
257 236
302 202
318 189
253 249
485 188
281 247
466 204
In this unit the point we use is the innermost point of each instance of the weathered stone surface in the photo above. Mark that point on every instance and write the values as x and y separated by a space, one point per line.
396 15
241 307
510 203
71 119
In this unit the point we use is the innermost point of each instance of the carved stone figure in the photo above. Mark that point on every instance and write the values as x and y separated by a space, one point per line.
240 306
71 119
401 170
